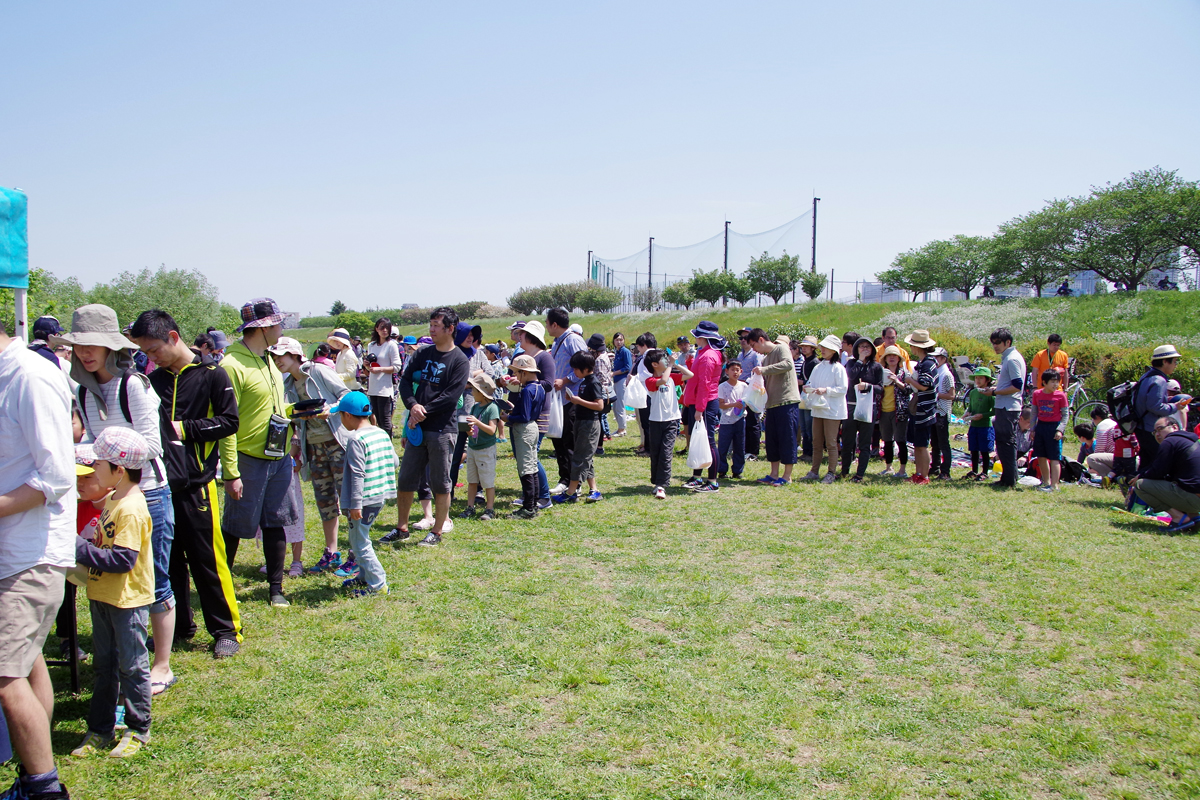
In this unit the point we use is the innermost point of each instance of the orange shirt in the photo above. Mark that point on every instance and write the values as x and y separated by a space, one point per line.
1041 363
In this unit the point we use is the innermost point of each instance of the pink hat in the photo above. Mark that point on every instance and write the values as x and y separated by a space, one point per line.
122 447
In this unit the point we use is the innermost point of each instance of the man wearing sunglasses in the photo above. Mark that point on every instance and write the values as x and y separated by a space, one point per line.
1151 400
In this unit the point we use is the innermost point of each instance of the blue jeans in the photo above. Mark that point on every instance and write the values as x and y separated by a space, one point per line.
735 435
162 514
121 665
806 432
371 571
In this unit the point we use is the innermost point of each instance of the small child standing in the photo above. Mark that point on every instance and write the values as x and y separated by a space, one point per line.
120 587
981 438
587 429
663 425
369 478
1050 402
732 432
484 420
527 397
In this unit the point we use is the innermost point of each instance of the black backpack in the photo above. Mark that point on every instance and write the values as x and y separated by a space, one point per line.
1122 404
166 428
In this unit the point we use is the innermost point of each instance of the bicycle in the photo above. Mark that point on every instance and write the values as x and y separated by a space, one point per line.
964 382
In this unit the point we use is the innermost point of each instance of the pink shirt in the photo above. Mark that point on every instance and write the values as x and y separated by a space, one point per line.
1050 405
702 388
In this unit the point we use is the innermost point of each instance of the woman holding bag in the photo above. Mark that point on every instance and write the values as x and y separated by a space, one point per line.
825 394
701 406
893 410
864 378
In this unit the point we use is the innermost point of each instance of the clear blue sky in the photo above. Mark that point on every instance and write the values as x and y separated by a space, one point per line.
398 152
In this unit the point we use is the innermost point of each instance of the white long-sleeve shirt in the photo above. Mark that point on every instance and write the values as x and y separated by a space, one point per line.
36 448
831 378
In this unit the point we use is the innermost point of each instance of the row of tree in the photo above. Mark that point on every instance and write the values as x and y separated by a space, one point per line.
186 295
774 277
1121 231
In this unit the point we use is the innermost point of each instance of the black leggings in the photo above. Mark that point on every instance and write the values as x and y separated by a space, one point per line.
383 407
275 551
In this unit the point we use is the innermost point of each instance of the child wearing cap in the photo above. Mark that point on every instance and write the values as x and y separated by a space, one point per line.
528 398
120 587
981 438
368 479
484 420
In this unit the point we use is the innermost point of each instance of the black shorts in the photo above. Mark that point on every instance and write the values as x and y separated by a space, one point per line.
918 435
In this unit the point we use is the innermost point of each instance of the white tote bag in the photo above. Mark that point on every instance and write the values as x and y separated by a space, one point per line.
864 409
635 394
699 456
554 415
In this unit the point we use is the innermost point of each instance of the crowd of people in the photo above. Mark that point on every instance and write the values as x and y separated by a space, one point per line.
114 442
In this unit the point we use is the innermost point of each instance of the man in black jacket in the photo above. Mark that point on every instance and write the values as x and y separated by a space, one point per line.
1171 482
203 409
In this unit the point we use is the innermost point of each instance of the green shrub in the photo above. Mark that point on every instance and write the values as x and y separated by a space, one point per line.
356 322
318 322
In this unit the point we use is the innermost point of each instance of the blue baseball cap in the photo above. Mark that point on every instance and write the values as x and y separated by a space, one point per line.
354 403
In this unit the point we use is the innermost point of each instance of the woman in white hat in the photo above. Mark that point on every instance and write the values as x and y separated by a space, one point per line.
347 363
114 394
825 394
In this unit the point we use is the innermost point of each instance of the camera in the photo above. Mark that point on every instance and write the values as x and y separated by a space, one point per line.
371 360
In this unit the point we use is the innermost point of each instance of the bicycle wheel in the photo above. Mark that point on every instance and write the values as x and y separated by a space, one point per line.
1079 399
1084 412
961 398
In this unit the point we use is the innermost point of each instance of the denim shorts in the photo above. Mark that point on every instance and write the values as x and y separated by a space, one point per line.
981 440
162 514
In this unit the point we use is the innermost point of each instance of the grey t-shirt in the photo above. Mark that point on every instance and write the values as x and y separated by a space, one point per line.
1012 368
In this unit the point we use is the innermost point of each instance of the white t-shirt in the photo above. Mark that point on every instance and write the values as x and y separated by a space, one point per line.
379 384
945 384
731 394
664 406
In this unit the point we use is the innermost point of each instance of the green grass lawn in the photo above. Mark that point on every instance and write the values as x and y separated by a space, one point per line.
875 640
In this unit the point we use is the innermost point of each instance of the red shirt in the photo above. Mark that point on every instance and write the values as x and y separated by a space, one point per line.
701 389
87 516
1050 405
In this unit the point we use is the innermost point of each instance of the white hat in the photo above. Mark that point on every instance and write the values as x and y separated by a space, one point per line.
576 328
1165 351
286 344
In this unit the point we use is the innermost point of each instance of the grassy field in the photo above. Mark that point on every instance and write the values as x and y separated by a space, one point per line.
868 641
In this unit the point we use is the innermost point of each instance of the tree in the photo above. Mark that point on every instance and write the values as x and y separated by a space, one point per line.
185 295
1035 250
774 277
527 301
740 290
338 307
813 283
709 286
1119 233
565 295
966 262
356 322
915 271
645 298
598 299
679 294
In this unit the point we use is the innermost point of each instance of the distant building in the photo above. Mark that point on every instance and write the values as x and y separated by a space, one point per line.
874 292
291 320
409 305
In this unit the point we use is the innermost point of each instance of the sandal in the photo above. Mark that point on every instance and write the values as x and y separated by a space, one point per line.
158 687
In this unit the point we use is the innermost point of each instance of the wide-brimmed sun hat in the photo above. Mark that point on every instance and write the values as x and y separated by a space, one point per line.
893 350
920 338
94 325
831 342
285 345
1162 351
810 341
483 383
261 312
339 337
537 331
525 363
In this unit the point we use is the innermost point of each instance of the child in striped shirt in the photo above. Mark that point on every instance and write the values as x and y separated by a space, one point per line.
369 478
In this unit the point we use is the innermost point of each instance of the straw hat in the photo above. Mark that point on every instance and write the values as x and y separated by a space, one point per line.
920 338
1162 351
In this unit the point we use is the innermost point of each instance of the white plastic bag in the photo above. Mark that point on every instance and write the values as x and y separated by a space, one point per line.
699 456
817 402
756 394
635 394
554 415
864 409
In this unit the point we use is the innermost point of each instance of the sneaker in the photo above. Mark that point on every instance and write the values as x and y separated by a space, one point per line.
92 743
119 718
708 486
467 513
262 570
902 474
594 497
1045 487
856 479
393 536
919 479
544 503
944 477
225 647
559 488
564 498
367 591
348 569
130 743
970 476
751 457
424 524
328 561
431 540
693 483
518 503
767 479
737 476
353 583
295 570
599 451
279 601
522 513
64 649
829 478
781 482
810 476
487 515
660 493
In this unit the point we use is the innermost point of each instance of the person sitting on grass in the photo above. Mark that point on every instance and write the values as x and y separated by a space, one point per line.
484 420
368 480
981 438
1100 461
1051 403
1171 482
120 588
528 397
587 429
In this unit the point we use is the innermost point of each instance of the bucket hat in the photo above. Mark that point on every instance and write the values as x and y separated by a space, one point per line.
920 338
831 342
1165 351
811 341
285 345
525 363
893 350
483 383
261 312
982 372
94 325
596 342
537 331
